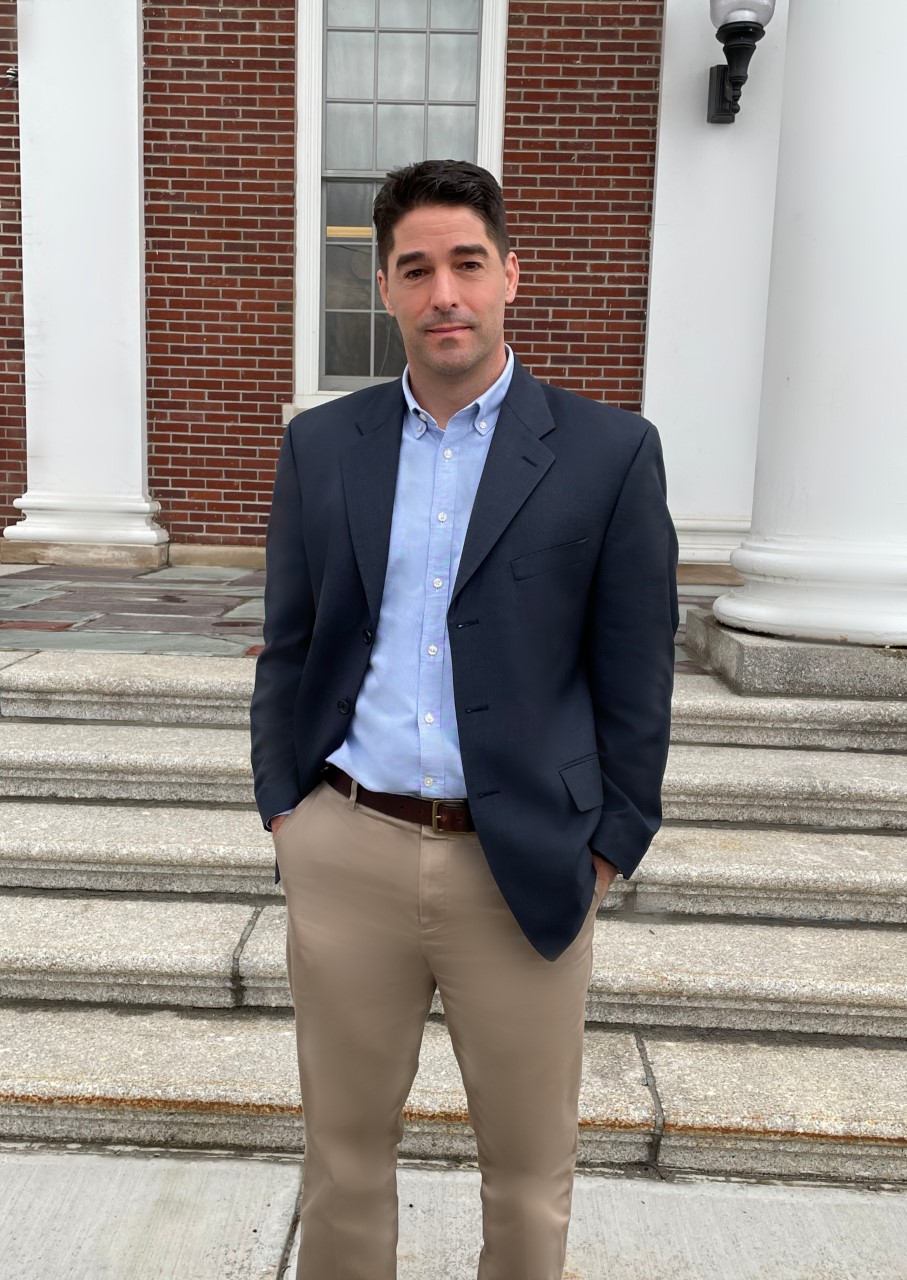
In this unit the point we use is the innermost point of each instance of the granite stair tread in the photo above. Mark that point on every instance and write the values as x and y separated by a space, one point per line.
153 688
703 783
739 1106
775 872
167 689
121 950
116 761
58 844
647 970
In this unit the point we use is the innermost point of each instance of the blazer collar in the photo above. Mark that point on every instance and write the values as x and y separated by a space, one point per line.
517 460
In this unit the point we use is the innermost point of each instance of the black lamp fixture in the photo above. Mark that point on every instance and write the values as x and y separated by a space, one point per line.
740 26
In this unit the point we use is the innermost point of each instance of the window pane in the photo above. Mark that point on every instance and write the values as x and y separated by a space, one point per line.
346 344
460 14
351 64
349 204
403 13
401 66
348 276
348 135
452 69
351 13
400 135
389 354
451 133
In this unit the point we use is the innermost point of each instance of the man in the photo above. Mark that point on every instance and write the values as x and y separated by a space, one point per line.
463 703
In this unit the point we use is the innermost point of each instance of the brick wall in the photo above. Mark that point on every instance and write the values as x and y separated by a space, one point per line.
219 167
579 161
12 369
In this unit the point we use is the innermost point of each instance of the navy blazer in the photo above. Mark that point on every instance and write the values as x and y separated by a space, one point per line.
561 628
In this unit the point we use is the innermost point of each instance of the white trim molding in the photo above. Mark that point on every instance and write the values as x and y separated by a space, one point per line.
709 541
309 113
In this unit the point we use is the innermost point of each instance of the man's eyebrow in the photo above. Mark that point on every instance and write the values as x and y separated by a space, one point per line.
458 251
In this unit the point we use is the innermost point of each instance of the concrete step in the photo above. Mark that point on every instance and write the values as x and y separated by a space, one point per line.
817 875
125 762
148 688
704 870
702 784
725 1105
135 847
657 971
706 710
162 689
647 970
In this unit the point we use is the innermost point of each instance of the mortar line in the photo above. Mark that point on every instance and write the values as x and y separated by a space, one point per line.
235 980
655 1149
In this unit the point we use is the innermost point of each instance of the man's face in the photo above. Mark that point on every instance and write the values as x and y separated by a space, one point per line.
447 287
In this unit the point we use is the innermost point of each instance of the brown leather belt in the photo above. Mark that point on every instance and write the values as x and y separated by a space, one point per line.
446 817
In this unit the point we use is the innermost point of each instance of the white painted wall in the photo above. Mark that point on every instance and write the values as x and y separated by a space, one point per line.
709 276
80 81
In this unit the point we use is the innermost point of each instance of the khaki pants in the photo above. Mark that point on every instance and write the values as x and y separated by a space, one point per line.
379 912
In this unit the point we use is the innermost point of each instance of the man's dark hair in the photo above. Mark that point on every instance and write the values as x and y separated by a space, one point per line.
454 182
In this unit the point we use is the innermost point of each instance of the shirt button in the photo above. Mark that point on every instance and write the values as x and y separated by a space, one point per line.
442 517
432 650
448 453
429 718
428 782
422 416
438 582
483 426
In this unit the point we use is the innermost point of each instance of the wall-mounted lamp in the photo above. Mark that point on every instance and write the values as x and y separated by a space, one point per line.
740 26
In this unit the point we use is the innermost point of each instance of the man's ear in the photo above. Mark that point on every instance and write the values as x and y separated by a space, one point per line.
382 286
511 276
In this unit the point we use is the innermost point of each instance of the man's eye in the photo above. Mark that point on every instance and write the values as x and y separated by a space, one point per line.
414 274
471 266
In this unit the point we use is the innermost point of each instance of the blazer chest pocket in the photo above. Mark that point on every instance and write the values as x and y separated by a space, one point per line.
583 779
549 558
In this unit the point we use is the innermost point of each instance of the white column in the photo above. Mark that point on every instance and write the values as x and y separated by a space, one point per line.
827 557
80 85
708 278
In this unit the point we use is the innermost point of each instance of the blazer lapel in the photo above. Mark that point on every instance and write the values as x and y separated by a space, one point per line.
517 460
369 468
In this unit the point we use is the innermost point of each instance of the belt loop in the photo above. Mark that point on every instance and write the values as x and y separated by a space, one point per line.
354 792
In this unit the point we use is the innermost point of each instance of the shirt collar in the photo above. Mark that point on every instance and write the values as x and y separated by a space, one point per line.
483 407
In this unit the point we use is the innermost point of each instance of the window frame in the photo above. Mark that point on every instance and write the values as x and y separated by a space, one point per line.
308 188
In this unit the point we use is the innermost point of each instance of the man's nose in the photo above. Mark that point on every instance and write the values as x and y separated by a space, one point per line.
444 291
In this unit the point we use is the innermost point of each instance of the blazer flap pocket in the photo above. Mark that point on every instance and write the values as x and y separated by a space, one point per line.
549 558
584 782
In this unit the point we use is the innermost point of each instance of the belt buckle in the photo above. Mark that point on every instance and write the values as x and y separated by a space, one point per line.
434 817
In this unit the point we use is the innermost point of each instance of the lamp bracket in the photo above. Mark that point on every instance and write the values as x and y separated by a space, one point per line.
726 82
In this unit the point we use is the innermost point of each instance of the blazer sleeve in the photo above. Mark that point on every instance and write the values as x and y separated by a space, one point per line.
632 619
288 624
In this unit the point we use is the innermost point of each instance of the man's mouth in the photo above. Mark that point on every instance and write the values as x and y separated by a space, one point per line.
443 329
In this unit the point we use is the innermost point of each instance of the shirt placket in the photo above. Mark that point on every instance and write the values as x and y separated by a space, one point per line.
432 729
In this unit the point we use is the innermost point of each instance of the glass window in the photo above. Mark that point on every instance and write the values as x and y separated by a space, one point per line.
401 84
350 69
462 14
352 13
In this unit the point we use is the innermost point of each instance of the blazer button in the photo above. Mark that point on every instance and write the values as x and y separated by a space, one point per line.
343 706
367 636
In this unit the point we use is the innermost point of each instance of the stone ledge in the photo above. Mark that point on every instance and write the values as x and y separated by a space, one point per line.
751 976
125 555
759 664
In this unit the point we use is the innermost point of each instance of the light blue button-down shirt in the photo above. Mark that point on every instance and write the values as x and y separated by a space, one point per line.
403 735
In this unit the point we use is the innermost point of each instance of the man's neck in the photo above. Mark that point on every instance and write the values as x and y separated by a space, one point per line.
442 399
